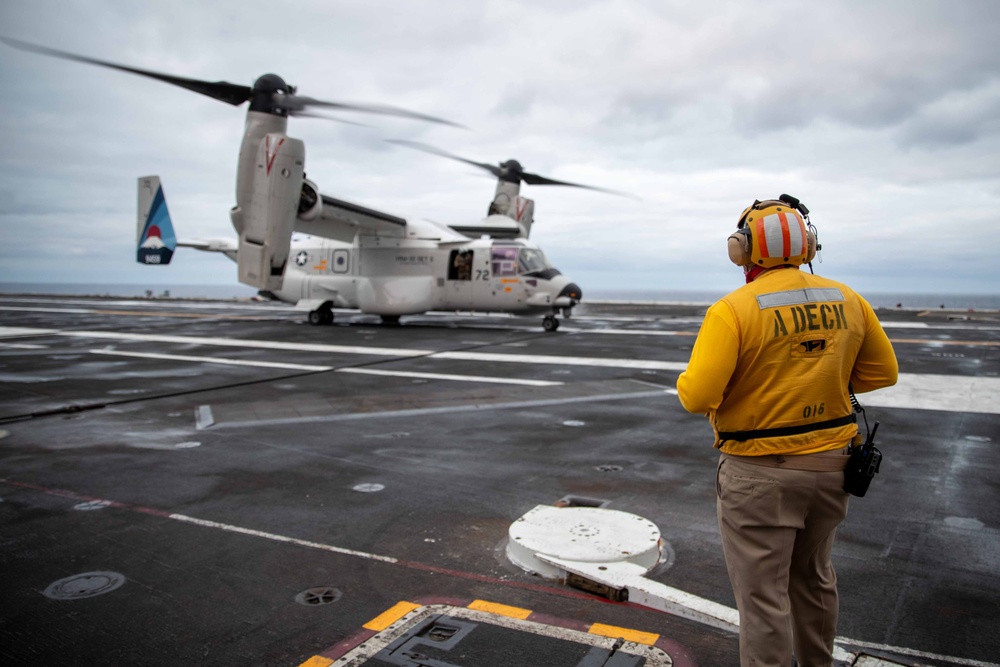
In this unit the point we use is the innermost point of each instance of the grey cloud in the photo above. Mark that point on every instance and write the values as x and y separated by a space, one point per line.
865 65
697 108
958 118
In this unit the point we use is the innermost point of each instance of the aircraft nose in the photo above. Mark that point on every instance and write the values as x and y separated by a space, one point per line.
572 291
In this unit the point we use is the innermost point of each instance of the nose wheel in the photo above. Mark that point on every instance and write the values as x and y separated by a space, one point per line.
550 323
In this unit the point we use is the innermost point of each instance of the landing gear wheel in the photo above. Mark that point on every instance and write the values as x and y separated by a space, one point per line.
550 323
320 316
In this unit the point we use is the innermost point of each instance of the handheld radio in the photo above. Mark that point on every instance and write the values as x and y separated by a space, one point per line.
862 466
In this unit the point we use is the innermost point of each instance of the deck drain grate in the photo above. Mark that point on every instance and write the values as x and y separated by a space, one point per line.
315 597
86 585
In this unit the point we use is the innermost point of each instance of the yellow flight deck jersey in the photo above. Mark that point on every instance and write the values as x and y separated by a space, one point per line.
773 360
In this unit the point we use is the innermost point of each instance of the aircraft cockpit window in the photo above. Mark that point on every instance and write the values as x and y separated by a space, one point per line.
460 265
504 261
531 260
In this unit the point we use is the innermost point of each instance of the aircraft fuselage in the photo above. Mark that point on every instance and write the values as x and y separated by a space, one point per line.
391 276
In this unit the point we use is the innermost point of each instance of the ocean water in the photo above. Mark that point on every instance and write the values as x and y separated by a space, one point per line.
232 291
238 291
908 300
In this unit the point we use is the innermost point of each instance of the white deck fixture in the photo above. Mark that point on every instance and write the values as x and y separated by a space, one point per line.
607 552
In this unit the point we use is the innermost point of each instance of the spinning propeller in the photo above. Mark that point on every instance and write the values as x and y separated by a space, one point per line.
269 94
510 171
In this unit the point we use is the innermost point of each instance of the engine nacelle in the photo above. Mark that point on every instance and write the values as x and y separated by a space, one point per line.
310 201
266 227
508 201
523 211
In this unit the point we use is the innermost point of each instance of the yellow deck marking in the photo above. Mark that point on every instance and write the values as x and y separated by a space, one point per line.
501 609
317 661
390 616
647 638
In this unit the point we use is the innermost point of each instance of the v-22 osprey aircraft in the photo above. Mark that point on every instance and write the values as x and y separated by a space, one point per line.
425 266
352 256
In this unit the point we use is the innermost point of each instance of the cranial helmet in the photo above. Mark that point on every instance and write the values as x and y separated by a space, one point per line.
773 233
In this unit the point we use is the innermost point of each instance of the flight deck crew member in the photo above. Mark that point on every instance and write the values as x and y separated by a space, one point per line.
772 368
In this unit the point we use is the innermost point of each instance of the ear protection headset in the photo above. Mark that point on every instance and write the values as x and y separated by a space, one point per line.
775 232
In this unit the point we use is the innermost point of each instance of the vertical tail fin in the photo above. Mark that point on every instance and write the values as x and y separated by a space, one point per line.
155 236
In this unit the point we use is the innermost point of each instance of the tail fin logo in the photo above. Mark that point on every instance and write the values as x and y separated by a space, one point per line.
157 240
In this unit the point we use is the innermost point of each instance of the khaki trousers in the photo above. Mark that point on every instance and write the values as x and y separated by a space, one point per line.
778 526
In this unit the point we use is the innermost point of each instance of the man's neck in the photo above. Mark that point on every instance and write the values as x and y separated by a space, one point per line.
757 271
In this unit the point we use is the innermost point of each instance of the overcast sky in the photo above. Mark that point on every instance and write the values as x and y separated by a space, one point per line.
882 117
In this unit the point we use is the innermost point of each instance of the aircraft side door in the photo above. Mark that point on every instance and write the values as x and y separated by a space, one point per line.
458 284
498 290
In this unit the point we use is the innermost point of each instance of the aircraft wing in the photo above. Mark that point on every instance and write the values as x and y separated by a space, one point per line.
342 220
438 232
496 226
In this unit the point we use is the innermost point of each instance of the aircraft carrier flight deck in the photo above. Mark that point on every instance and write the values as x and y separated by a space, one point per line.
221 483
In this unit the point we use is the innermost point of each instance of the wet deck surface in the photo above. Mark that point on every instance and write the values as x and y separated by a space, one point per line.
223 464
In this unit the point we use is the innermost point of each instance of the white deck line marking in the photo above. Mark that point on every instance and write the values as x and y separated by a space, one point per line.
39 309
303 367
628 332
515 405
966 662
645 364
238 342
905 325
212 360
948 393
282 538
17 332
442 376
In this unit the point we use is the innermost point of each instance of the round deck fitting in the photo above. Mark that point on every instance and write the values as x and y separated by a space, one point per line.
86 585
583 534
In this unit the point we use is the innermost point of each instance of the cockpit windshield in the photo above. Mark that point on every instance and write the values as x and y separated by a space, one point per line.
531 260
511 260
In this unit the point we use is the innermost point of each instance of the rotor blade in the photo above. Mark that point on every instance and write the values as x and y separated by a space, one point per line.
492 168
310 114
298 102
531 179
223 91
535 179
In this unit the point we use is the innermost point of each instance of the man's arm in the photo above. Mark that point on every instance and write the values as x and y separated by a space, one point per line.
713 360
876 365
